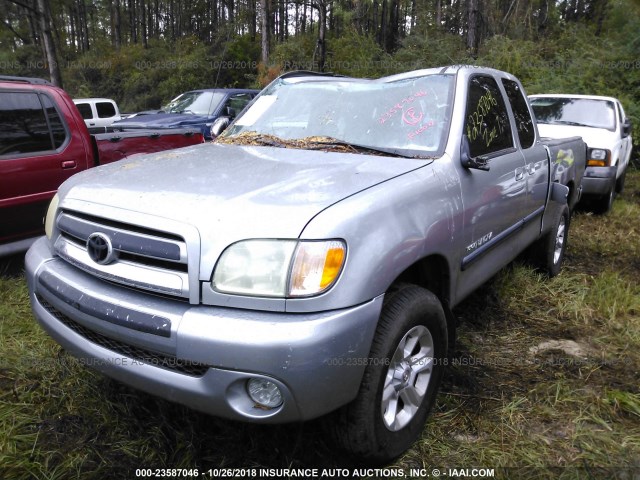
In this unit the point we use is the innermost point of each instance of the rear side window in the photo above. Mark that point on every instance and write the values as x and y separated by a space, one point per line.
29 123
85 110
487 122
105 110
524 122
58 132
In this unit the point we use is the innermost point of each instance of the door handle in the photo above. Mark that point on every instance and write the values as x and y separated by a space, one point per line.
519 173
533 167
67 164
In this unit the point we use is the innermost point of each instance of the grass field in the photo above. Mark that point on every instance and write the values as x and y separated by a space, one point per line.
544 383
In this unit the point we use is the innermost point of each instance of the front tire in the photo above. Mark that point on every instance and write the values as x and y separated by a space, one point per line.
401 380
605 203
620 182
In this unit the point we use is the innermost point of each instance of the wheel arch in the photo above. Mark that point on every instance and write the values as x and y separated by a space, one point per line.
432 273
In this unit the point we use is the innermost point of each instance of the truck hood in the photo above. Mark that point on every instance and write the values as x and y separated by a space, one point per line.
593 137
231 193
162 120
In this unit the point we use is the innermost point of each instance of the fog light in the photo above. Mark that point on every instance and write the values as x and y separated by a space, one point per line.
264 393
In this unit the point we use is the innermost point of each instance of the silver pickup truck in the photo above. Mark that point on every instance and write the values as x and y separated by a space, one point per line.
307 262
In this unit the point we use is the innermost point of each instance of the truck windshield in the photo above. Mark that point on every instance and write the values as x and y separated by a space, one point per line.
582 112
407 117
197 103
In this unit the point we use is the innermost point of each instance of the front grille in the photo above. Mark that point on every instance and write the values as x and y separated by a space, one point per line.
168 362
140 258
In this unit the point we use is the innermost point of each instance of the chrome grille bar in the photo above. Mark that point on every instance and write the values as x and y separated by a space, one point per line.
144 259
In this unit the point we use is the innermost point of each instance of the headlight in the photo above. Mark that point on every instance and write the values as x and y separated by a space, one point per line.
50 219
598 157
255 267
279 268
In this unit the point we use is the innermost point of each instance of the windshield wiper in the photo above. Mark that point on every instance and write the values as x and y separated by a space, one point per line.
312 143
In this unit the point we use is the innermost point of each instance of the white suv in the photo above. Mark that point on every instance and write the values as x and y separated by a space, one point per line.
606 130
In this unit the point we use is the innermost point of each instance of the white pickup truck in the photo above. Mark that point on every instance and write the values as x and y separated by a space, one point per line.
98 113
603 125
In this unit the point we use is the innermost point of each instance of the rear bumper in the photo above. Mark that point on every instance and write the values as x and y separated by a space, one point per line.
202 356
599 180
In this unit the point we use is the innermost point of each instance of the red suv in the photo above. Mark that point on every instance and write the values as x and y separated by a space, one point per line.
41 145
43 141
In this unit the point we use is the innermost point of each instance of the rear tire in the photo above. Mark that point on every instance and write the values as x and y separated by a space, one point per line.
548 254
401 379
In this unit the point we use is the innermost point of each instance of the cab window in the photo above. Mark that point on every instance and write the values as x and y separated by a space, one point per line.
487 124
236 103
105 109
85 110
524 122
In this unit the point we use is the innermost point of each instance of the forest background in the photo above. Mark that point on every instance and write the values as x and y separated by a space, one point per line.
143 53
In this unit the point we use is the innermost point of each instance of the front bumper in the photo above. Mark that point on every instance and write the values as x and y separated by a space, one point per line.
202 356
599 180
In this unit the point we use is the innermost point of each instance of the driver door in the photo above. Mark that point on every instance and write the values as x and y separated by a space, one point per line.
494 200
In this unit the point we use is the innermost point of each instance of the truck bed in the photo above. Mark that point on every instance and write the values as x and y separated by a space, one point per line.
114 146
563 153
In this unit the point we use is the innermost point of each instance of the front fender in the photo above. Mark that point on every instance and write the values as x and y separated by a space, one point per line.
388 228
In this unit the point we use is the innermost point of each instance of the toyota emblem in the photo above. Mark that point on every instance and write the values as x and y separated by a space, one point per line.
100 249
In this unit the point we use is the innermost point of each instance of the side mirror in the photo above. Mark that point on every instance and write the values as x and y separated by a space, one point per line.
219 126
626 128
477 163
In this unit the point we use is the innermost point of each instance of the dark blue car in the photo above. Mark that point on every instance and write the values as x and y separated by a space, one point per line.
195 109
